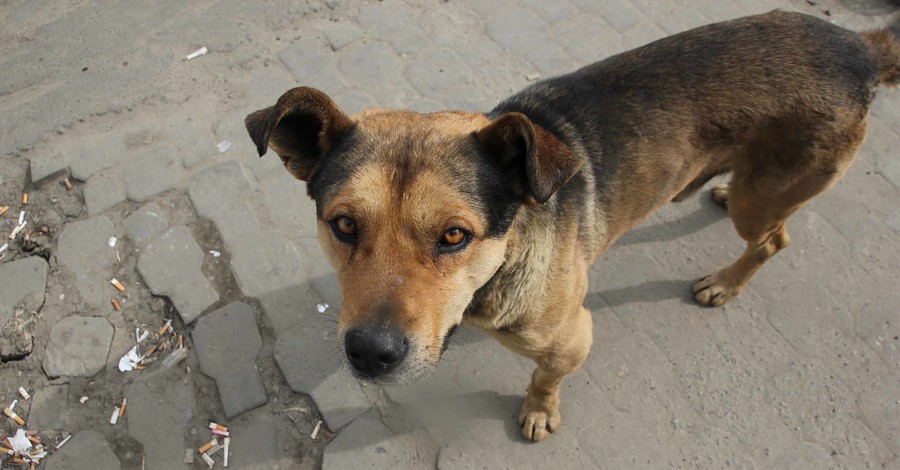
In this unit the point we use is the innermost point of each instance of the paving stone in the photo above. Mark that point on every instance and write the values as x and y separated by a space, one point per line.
306 356
375 67
341 34
190 134
159 411
254 443
99 153
352 101
46 164
170 265
153 172
20 279
265 264
269 83
78 346
440 74
49 408
893 220
366 443
321 274
241 389
83 248
103 191
516 30
231 128
621 14
226 338
881 410
571 33
291 207
86 449
550 58
220 194
145 223
303 58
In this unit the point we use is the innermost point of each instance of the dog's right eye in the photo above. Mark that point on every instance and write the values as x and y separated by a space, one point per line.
344 229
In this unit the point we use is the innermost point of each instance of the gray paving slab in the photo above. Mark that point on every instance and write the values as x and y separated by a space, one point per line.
190 134
159 410
144 224
881 410
341 34
96 154
153 172
376 67
254 443
877 324
78 346
269 83
366 443
517 29
290 207
46 164
304 57
231 128
440 74
49 408
220 194
307 357
86 449
170 265
20 279
102 191
83 248
226 338
241 390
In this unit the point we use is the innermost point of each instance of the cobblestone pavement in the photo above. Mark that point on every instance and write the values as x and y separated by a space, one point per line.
169 199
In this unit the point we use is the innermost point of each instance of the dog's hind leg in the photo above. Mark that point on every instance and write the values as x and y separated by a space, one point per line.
759 204
720 194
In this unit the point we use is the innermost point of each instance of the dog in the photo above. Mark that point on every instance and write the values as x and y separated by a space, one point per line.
494 218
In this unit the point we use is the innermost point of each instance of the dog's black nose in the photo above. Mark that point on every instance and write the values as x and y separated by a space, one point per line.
375 351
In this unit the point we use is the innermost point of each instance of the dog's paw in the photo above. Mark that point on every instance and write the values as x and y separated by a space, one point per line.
712 292
720 194
538 421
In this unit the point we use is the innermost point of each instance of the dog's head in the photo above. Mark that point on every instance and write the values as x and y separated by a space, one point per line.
414 213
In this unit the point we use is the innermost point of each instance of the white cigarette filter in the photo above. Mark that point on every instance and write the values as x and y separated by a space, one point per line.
24 393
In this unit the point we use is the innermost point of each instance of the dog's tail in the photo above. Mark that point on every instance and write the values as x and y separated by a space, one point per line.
885 45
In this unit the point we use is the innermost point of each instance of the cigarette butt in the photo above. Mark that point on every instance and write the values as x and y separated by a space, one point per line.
68 184
122 408
18 229
217 426
139 367
315 431
83 399
3 209
17 460
21 217
115 416
12 405
25 199
32 466
221 433
4 450
24 393
180 341
118 285
116 305
63 442
197 53
208 445
34 439
12 414
165 327
213 450
209 461
227 442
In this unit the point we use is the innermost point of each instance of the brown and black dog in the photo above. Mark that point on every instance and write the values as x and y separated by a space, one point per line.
434 219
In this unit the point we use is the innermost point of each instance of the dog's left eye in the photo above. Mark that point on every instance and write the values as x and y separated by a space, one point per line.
453 240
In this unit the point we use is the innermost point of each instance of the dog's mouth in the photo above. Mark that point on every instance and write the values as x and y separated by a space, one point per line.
403 362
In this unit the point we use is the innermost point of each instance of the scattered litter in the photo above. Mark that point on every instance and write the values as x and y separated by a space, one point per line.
197 53
177 356
83 399
4 247
215 254
24 199
15 232
112 242
63 442
188 456
315 431
20 442
322 307
214 449
3 209
221 433
118 285
532 77
24 393
62 297
122 408
116 305
129 361
115 416
140 337
21 217
217 427
67 184
180 341
209 461
223 146
208 445
165 327
12 414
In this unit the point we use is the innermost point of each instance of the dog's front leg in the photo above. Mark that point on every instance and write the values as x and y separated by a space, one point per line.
571 343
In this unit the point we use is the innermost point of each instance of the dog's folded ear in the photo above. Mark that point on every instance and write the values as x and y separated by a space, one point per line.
518 144
300 128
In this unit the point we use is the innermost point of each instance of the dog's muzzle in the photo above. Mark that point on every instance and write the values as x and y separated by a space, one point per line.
375 351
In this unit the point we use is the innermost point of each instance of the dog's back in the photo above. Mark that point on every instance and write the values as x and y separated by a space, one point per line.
676 112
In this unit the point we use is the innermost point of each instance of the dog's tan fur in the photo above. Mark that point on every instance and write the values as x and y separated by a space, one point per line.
783 127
